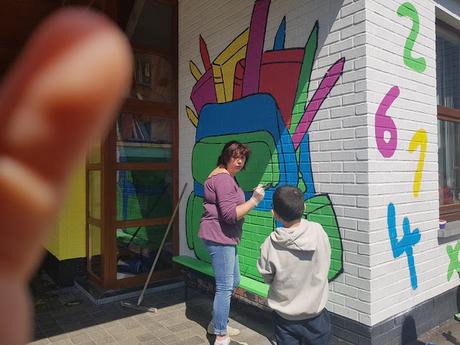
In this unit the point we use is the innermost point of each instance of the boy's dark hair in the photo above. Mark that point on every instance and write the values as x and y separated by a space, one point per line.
233 149
288 203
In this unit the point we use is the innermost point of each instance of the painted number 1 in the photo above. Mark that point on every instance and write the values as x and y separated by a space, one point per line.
419 139
417 64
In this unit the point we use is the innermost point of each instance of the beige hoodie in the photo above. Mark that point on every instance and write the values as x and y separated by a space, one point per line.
295 263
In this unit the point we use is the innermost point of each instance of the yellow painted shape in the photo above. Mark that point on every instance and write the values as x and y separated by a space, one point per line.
223 67
68 240
419 139
195 70
192 116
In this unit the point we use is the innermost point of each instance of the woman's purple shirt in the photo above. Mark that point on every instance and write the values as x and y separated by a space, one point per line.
218 223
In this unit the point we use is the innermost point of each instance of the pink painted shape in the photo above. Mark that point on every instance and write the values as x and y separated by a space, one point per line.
384 123
328 82
203 91
255 47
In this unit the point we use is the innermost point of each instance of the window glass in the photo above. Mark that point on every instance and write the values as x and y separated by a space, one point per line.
144 194
447 67
154 78
449 162
137 248
95 257
144 139
94 206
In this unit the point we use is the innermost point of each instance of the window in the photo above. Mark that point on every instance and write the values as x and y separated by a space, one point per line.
448 95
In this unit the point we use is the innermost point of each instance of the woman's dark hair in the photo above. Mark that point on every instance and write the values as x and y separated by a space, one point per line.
288 203
233 149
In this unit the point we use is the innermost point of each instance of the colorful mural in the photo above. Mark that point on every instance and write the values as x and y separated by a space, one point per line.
386 136
260 98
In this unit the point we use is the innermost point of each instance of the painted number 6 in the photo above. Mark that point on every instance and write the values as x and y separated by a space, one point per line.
384 123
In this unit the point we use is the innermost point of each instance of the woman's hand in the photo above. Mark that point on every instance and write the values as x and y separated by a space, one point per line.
258 194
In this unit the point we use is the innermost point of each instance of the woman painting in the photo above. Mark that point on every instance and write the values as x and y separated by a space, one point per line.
220 229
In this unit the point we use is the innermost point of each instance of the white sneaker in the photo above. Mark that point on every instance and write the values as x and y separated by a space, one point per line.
229 341
231 332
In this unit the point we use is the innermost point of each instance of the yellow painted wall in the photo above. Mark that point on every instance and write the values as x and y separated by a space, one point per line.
68 240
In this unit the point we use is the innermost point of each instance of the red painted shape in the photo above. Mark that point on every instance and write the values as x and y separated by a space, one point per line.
279 75
204 54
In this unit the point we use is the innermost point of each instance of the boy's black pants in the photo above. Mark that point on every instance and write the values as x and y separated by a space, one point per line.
315 331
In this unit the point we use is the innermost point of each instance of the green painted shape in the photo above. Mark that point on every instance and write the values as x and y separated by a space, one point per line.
193 216
262 167
248 284
258 226
319 209
303 84
454 264
417 64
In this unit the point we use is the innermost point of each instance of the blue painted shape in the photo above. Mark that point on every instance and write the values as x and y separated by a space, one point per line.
405 245
305 166
280 36
251 114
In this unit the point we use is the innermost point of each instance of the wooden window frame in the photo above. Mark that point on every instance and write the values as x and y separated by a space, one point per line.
112 166
108 167
449 212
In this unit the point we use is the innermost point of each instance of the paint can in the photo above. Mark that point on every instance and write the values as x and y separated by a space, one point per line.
442 224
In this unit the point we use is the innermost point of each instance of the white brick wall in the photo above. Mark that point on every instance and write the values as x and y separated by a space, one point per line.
391 179
338 158
346 162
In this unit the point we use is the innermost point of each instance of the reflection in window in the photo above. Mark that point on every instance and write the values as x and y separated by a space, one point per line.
143 139
137 248
95 257
447 67
449 162
143 194
153 79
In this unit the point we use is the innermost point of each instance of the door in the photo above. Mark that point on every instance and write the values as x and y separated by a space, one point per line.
132 178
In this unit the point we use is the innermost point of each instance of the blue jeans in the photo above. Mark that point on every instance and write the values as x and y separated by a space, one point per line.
224 259
315 331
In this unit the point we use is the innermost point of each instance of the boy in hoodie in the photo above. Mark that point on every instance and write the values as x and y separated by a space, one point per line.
294 261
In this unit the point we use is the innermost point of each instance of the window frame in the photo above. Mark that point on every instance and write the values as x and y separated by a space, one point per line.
448 212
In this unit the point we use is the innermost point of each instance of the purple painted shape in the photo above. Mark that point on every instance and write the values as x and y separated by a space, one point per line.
326 85
203 92
384 123
255 47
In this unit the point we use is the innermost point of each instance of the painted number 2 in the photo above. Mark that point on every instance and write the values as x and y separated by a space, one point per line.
417 64
419 139
385 124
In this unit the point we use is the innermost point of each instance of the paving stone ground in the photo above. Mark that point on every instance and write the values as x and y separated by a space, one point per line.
64 316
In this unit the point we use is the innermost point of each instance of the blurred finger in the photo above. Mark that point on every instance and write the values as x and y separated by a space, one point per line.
50 116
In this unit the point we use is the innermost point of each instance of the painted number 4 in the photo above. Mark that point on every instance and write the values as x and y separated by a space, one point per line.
405 244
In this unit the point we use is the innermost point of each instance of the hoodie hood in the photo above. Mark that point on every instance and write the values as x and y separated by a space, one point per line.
299 238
